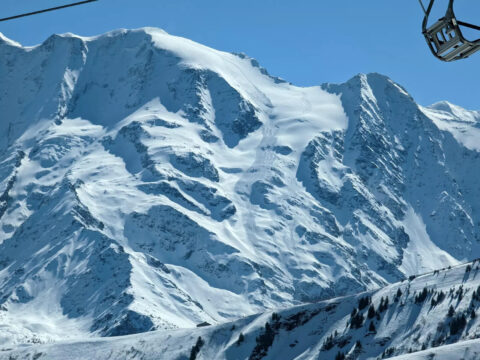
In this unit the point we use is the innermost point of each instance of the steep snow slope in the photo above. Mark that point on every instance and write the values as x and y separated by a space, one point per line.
467 350
415 317
149 182
462 124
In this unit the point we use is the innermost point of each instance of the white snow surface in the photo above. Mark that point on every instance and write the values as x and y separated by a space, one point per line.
463 124
466 350
421 253
148 182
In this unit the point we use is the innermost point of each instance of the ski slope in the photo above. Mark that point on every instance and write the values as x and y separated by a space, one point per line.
313 331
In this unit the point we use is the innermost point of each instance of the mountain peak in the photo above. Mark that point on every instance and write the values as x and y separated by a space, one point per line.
448 107
443 106
369 85
378 82
122 32
455 112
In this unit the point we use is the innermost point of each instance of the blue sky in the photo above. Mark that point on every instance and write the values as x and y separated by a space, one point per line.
307 42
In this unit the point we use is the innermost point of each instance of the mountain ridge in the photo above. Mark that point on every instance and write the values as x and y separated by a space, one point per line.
161 184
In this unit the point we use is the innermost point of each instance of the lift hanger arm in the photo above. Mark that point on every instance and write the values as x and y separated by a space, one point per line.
47 10
468 25
423 6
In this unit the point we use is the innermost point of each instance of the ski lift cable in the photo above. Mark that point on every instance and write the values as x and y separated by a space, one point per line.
423 6
47 10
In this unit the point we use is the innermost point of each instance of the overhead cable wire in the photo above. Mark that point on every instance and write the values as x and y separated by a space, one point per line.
46 10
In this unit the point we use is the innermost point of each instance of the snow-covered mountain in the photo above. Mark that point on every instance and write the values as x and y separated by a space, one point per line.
435 311
149 182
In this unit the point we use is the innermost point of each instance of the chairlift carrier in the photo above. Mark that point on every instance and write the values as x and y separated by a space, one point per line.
445 38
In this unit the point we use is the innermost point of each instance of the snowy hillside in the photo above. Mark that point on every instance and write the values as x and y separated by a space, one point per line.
148 182
461 123
467 350
427 312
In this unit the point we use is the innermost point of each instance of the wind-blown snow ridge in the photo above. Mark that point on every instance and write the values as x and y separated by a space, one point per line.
8 41
149 182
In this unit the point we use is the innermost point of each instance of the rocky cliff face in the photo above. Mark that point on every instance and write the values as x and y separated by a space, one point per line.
149 182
